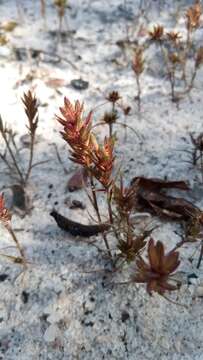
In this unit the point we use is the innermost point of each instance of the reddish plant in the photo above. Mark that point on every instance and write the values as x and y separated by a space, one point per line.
5 215
121 201
98 160
157 272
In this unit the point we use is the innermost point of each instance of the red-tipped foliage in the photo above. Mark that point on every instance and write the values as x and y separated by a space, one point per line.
5 215
156 273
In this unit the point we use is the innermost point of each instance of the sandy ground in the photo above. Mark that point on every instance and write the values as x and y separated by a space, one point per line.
57 311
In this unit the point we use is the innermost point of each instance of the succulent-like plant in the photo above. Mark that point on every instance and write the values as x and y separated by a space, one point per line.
156 273
157 33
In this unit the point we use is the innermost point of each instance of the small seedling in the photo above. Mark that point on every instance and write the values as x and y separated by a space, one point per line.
138 68
11 153
61 8
111 118
177 52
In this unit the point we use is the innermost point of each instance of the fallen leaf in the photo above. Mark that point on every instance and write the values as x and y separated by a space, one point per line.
77 180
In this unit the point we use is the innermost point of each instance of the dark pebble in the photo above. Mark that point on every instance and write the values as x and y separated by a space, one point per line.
79 84
124 316
25 297
3 277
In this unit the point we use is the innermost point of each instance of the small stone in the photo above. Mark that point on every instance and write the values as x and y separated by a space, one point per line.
178 345
25 297
76 204
51 333
3 277
55 317
199 291
192 279
19 197
79 84
124 316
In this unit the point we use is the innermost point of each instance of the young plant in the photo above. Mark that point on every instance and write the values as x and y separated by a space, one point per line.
61 8
5 219
128 244
197 151
110 118
157 35
11 153
138 68
177 53
98 160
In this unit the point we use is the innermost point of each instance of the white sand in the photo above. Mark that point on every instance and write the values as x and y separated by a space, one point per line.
70 314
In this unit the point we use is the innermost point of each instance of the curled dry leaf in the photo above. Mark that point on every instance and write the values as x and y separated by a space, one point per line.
151 198
175 208
77 229
158 184
55 83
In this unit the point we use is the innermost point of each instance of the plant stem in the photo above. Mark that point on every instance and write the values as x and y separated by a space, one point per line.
96 207
138 92
200 256
172 83
170 72
178 245
11 232
111 219
43 8
13 158
110 124
3 157
32 136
